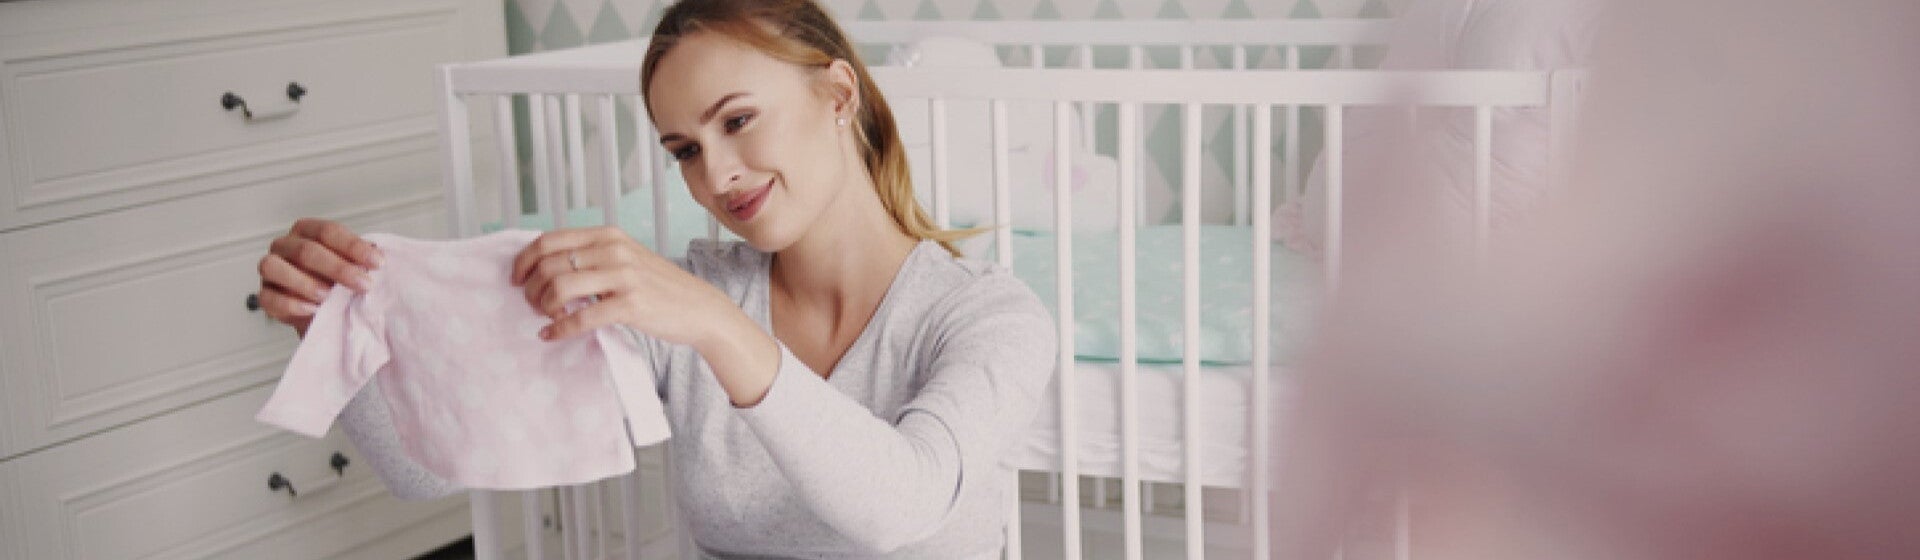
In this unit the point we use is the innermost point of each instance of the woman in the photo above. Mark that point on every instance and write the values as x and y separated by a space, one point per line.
840 384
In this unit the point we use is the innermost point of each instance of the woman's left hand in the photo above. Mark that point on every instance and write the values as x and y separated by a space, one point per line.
636 287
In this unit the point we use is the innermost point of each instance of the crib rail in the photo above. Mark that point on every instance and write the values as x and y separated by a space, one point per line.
569 94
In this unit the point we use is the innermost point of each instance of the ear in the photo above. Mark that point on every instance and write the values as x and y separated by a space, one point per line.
843 88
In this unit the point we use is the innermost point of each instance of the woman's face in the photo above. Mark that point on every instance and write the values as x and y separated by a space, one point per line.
755 137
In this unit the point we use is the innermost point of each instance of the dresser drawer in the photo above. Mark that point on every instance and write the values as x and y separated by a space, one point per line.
194 483
99 118
120 316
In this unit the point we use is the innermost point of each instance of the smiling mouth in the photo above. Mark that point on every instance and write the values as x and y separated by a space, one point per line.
744 206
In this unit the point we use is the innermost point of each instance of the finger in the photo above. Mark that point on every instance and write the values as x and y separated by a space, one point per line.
549 243
341 240
570 287
535 284
601 314
285 307
277 272
318 260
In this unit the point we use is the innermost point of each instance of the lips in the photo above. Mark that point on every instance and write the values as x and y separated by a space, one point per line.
744 206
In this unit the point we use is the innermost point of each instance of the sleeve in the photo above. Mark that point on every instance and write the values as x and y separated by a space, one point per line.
635 359
343 349
632 372
887 483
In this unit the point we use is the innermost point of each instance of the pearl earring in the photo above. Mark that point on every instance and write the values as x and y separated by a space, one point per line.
842 121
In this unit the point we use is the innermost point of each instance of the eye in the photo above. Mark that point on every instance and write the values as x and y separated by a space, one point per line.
735 123
685 152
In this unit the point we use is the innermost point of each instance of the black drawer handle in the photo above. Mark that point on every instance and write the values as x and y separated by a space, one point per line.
275 483
339 462
295 91
253 302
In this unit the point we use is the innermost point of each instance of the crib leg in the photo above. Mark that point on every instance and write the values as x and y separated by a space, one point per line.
486 541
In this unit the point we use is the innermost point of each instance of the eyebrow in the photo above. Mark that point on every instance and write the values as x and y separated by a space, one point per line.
707 115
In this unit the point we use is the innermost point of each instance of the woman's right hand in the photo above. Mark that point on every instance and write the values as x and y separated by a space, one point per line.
303 265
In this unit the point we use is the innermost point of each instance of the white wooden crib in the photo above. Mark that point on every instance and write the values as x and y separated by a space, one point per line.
1217 415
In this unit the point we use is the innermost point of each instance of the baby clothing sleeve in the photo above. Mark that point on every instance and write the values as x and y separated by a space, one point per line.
341 352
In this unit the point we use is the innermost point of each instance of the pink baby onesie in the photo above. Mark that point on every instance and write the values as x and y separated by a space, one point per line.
475 395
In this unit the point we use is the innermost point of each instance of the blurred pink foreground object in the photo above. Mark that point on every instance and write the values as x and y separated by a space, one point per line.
1707 346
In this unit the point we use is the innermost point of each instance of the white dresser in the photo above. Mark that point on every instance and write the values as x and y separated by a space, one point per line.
136 197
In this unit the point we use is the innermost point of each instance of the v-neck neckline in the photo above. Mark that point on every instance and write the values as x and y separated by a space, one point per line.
866 330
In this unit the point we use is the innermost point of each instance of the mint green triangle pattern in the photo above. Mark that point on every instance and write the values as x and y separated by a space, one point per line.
607 26
561 32
1311 57
1046 10
985 11
1220 147
1166 57
1369 56
520 33
871 12
1162 146
927 11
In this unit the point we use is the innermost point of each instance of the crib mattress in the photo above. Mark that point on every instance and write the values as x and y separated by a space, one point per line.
1226 423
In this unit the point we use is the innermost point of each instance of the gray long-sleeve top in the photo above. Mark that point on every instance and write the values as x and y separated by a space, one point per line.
897 453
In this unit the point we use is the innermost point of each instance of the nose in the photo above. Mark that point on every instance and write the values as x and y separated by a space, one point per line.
723 170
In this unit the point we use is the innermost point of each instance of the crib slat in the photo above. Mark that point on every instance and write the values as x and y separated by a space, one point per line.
1291 161
1482 178
1002 203
1036 56
1129 333
1262 322
1190 353
582 522
563 514
456 159
1063 283
643 140
537 134
530 525
937 115
610 156
509 164
576 153
1342 56
486 543
1336 190
1239 126
556 154
658 156
597 499
1086 107
1136 60
1014 541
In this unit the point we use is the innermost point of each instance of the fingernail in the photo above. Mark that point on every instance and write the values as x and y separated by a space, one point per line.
546 332
324 292
309 308
362 281
378 258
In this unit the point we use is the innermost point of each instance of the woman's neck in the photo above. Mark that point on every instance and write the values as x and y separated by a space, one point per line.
848 258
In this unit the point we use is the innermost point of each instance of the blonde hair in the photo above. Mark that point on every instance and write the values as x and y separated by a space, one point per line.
799 32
